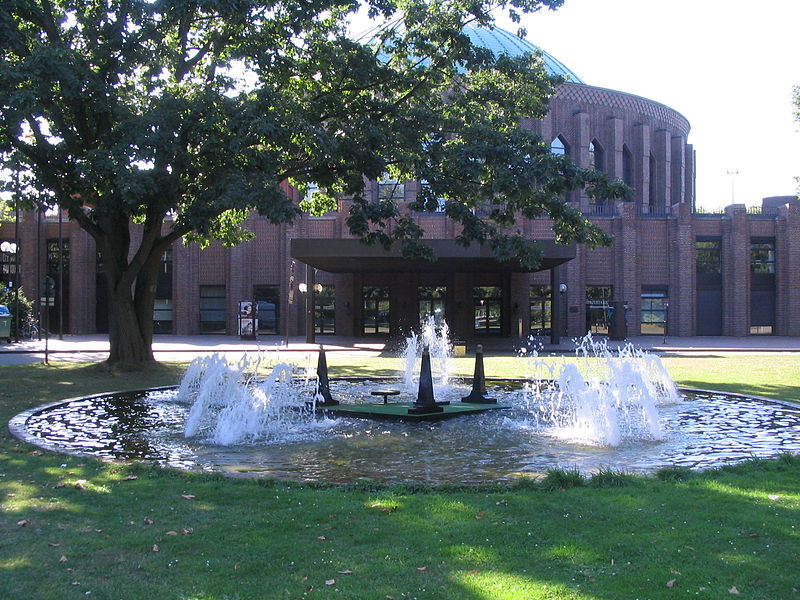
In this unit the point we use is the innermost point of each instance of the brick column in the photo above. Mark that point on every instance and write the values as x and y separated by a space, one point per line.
662 152
682 272
788 271
580 154
83 281
626 283
614 152
677 170
736 276
642 175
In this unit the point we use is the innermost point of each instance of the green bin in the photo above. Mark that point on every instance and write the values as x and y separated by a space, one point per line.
5 327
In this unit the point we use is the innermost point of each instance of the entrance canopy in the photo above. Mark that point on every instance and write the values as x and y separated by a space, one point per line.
336 255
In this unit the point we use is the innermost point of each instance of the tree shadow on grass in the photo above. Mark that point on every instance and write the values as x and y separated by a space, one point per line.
140 532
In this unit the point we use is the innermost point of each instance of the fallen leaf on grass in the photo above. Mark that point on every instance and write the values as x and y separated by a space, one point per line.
54 544
733 590
473 572
321 538
130 478
752 535
345 572
671 583
63 559
188 531
188 496
147 521
60 485
479 516
156 548
501 502
330 582
422 568
80 484
23 523
774 497
674 571
172 533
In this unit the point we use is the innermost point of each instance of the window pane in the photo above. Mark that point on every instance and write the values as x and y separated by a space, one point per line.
376 309
212 309
540 309
325 310
267 299
487 309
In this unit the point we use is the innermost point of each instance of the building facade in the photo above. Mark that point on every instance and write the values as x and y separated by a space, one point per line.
673 270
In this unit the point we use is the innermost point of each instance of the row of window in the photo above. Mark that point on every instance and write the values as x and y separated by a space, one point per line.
709 255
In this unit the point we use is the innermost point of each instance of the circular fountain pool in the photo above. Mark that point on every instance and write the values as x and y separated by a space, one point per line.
698 430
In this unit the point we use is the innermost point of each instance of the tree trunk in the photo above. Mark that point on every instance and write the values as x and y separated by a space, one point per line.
128 346
131 298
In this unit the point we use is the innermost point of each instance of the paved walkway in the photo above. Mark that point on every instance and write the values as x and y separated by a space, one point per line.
82 348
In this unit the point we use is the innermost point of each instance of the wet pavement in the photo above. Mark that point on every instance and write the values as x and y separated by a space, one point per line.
87 348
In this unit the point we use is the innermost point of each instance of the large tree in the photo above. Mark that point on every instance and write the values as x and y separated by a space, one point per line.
183 117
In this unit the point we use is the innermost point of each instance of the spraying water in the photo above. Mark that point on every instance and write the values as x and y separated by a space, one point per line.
436 337
232 406
605 399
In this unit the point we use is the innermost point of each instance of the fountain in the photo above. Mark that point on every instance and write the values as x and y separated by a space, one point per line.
612 410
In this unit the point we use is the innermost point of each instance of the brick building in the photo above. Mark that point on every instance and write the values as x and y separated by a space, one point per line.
672 268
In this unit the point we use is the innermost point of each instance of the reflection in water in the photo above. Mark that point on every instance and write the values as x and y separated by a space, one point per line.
699 431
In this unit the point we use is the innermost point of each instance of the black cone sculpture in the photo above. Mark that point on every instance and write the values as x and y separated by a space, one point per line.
425 402
478 393
323 389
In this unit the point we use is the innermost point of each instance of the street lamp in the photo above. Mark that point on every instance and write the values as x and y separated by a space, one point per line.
666 318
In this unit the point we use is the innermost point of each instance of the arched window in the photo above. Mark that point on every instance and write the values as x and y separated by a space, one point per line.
559 146
627 166
596 156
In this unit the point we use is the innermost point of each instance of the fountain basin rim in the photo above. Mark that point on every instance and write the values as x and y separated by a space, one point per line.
17 424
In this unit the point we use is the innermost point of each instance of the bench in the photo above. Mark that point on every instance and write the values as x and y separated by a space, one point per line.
385 394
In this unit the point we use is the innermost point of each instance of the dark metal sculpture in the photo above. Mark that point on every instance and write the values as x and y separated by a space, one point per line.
323 389
425 402
478 393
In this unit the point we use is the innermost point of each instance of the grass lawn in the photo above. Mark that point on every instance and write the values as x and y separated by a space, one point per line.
80 528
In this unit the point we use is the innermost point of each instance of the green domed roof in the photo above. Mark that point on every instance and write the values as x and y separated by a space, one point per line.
501 41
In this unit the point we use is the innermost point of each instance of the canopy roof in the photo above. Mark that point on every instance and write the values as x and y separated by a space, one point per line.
337 255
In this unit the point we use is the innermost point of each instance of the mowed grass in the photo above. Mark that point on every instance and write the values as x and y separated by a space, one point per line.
80 528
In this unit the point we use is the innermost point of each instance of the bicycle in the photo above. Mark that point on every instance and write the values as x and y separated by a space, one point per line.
29 330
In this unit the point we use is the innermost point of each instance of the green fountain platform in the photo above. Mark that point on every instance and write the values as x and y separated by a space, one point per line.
399 411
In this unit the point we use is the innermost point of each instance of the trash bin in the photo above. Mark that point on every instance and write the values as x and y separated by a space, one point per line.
5 323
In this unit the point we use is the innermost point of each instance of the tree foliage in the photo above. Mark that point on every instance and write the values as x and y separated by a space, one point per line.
186 116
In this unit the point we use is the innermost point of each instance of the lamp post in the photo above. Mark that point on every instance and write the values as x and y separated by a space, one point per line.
733 173
308 289
666 320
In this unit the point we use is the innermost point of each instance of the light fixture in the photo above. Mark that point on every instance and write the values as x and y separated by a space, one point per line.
562 287
9 247
302 288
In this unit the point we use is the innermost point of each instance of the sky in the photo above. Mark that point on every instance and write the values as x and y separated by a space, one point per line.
728 66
